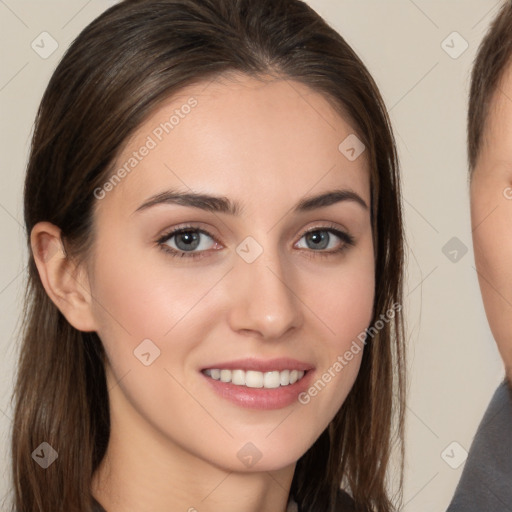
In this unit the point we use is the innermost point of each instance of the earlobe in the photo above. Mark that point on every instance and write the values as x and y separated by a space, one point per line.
65 283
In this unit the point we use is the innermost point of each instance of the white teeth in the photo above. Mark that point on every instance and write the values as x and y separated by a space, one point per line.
225 375
238 377
253 379
271 380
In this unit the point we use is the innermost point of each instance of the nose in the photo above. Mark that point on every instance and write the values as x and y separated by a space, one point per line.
263 301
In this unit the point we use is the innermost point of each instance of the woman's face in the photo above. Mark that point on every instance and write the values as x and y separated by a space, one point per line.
265 285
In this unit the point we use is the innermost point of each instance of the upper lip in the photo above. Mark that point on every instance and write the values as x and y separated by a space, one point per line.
261 365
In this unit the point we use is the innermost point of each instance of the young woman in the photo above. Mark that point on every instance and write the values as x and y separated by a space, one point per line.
213 317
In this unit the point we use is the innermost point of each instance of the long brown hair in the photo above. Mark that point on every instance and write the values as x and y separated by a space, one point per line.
118 70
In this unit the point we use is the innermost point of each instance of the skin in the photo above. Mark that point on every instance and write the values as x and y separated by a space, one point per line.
174 442
491 218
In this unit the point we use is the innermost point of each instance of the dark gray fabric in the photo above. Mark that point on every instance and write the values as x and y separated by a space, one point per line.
486 481
96 506
345 502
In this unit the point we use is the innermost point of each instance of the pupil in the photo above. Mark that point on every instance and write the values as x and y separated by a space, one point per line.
188 238
319 236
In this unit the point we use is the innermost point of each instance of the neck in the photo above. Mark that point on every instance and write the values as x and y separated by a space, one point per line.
142 471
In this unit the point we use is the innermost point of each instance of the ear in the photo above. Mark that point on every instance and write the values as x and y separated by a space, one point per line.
66 284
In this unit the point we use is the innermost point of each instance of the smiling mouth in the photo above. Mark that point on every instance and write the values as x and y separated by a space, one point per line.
254 379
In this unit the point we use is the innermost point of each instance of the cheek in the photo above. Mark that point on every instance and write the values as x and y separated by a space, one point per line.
345 302
140 297
148 317
492 241
146 296
345 308
355 299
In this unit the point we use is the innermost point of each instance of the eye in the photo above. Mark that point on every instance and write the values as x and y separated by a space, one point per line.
184 241
321 238
192 242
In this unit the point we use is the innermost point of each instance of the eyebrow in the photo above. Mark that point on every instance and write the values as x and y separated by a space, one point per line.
222 204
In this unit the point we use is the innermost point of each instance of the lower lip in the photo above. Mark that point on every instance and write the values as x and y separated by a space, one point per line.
260 398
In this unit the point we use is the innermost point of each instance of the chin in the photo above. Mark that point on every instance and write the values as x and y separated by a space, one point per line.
258 456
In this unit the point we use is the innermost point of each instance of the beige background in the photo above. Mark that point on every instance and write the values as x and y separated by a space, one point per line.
453 362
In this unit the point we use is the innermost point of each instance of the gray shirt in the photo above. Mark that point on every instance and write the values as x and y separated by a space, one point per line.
486 481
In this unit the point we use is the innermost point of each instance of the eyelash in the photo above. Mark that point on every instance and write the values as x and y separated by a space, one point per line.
348 240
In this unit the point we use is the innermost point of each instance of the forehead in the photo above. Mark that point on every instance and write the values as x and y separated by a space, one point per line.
245 135
237 102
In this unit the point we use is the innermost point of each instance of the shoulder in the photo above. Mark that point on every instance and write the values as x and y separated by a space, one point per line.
485 480
344 502
96 507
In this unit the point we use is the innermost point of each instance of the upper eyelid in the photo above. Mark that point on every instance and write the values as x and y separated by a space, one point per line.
176 231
